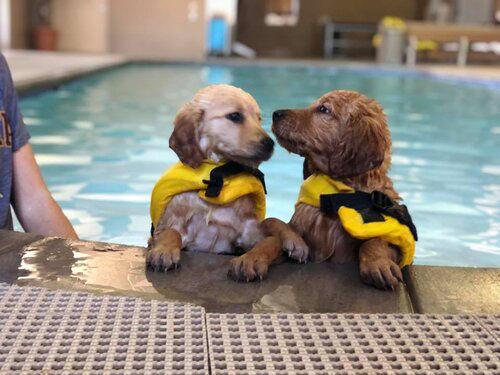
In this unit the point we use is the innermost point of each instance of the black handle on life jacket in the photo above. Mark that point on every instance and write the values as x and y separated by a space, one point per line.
386 205
371 206
231 168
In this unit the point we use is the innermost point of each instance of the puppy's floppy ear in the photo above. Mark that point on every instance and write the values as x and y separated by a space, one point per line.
361 146
184 139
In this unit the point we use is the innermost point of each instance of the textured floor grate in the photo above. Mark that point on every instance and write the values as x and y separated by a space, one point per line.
51 332
351 344
491 323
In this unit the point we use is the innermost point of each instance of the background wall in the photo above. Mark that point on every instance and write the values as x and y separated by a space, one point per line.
147 29
474 12
305 39
82 25
19 24
164 29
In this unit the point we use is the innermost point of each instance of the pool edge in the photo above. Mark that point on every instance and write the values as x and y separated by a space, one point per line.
429 289
434 72
35 86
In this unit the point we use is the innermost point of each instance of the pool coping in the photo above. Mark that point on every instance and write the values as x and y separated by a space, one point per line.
33 71
436 71
426 289
37 85
429 71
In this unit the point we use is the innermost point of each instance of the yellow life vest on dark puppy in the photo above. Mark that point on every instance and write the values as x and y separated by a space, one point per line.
234 182
365 218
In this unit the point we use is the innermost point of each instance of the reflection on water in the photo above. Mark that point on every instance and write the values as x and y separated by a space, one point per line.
103 141
75 264
281 299
50 140
56 159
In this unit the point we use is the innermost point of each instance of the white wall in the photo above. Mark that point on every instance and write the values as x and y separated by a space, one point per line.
475 11
142 29
227 8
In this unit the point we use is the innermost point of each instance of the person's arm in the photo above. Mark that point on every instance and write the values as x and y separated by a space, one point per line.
33 204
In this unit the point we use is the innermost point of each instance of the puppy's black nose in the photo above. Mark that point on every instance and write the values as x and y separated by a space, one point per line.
278 114
267 145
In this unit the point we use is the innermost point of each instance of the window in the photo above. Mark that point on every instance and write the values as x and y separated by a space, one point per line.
282 12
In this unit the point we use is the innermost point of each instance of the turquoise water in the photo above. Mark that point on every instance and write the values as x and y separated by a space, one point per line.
103 141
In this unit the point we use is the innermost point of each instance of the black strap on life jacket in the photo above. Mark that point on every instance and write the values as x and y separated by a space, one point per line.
231 168
371 206
217 176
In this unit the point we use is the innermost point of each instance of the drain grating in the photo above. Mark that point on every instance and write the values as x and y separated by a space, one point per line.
351 344
52 332
491 323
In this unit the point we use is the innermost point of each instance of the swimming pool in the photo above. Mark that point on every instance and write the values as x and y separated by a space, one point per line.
102 142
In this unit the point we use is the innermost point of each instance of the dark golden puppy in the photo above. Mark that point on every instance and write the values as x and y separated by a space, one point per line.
346 144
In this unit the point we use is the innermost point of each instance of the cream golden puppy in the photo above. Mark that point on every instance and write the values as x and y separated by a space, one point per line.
213 200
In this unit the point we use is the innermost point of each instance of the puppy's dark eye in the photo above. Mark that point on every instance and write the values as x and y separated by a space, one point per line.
236 117
323 109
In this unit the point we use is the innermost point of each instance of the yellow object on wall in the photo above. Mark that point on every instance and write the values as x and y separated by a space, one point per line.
399 24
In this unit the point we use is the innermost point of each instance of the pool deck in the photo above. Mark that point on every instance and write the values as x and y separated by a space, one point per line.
482 74
35 69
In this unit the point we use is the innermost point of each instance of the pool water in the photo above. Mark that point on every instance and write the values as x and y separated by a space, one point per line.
102 142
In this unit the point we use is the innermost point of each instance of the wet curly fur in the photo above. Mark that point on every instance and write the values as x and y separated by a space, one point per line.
345 136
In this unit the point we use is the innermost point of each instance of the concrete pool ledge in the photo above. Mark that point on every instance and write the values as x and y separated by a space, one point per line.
482 75
103 268
35 70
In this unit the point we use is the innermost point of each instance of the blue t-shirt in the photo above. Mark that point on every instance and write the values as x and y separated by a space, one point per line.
13 136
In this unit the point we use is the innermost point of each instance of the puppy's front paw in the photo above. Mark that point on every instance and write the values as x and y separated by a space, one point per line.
247 267
382 273
161 259
295 247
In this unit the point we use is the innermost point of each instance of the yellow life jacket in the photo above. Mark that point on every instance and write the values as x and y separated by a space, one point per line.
181 178
359 220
